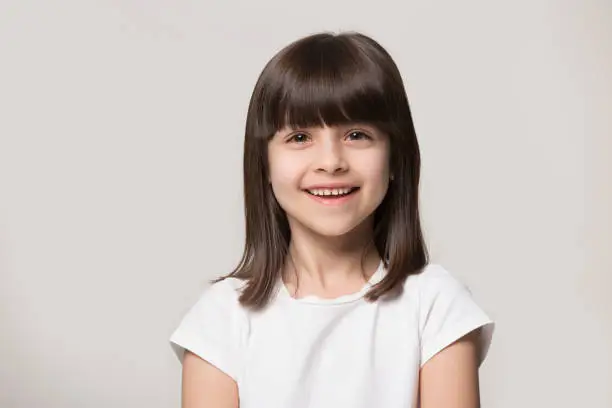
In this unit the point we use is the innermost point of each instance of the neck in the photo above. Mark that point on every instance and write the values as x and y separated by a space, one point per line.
320 262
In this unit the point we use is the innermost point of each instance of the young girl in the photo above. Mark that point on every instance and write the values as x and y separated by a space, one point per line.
334 303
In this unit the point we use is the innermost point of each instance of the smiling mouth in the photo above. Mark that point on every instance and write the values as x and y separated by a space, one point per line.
332 192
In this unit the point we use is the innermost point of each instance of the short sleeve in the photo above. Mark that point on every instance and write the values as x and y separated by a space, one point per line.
213 329
447 312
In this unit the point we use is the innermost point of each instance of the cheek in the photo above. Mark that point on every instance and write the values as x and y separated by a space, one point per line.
375 168
284 173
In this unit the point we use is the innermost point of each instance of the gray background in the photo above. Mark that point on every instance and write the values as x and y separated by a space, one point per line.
121 126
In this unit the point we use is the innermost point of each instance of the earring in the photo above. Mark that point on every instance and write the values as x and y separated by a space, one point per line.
391 177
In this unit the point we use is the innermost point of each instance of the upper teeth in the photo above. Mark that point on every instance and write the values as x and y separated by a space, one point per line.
332 191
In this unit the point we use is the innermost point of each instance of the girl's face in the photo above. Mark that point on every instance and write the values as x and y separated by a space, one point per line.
329 179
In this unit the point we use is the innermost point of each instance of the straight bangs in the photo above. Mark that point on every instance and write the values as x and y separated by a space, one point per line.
325 81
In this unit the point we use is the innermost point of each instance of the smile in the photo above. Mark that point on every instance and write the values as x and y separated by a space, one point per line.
332 195
334 192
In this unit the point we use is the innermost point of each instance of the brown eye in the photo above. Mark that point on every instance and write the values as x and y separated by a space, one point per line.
357 135
299 138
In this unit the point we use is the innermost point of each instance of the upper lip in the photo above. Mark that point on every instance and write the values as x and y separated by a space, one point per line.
329 186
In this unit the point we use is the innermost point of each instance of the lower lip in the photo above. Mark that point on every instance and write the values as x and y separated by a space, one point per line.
328 200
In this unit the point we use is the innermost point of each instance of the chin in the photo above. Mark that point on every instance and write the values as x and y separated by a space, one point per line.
332 228
330 231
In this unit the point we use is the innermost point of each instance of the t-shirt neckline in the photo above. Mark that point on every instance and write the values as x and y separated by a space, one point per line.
350 297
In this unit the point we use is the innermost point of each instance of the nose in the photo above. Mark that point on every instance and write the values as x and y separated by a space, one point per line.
331 158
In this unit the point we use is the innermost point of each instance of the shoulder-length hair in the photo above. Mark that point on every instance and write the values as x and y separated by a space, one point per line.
330 79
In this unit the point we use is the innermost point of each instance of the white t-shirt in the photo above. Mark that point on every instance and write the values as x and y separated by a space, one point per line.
331 353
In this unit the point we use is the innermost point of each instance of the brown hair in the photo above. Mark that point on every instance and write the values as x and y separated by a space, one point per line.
330 79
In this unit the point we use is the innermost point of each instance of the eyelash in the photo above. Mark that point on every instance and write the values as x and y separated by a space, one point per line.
361 133
292 138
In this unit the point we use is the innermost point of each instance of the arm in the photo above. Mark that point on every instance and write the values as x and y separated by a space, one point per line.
205 386
450 378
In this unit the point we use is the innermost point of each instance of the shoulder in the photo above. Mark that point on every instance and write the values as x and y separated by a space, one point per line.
437 286
432 278
222 295
217 305
447 311
214 327
435 277
228 288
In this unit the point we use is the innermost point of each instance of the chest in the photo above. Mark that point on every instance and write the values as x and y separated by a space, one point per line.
356 355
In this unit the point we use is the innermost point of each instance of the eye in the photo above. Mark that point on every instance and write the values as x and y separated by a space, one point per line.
298 138
357 135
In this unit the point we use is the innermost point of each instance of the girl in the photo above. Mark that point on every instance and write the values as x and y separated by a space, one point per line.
334 303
